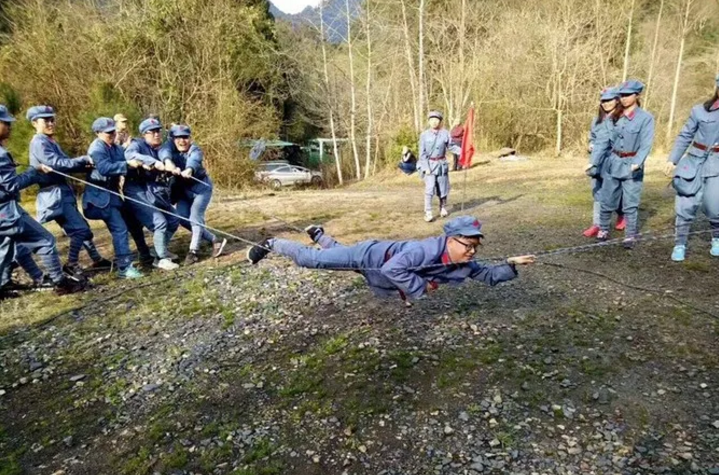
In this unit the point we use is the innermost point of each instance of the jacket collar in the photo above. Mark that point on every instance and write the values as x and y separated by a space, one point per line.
631 114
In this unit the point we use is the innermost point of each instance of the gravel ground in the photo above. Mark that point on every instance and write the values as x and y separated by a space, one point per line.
224 368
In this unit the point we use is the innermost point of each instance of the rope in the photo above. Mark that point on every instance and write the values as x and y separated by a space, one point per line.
646 237
286 223
631 286
148 205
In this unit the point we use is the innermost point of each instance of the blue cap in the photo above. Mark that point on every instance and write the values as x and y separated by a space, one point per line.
5 114
609 93
149 124
436 115
180 130
40 112
631 87
464 226
103 124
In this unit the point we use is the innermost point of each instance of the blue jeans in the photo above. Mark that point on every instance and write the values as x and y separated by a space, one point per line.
162 225
193 206
112 217
7 252
334 257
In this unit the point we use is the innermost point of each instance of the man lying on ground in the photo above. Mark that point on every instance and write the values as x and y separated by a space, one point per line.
414 268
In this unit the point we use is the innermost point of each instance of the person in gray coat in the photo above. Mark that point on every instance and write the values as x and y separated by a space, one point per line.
694 165
433 167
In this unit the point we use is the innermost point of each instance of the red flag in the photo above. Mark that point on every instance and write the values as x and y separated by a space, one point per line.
465 160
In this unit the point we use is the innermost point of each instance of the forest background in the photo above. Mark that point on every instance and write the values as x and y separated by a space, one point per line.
232 71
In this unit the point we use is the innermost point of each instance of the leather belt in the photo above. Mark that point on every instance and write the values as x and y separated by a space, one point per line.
701 146
436 159
624 154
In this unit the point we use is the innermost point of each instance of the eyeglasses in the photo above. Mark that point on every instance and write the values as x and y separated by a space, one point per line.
154 132
469 247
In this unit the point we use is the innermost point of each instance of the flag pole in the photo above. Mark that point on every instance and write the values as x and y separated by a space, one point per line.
466 166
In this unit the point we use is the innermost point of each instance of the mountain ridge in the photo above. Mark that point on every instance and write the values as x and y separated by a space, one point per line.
334 16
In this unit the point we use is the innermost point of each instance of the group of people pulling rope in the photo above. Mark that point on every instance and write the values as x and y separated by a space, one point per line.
136 183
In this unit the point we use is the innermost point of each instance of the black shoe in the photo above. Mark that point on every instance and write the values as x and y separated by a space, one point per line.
13 286
69 285
314 231
191 258
259 252
146 261
629 242
73 269
102 264
44 283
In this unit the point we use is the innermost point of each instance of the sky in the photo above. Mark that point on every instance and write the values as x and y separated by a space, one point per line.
294 6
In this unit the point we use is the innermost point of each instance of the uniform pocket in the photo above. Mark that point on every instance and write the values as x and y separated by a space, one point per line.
49 203
10 223
687 180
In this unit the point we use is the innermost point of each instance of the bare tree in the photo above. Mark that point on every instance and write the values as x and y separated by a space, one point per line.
628 44
410 66
422 89
677 72
353 93
368 93
654 53
327 86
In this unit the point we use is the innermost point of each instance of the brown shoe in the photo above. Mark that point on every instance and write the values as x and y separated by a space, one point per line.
191 258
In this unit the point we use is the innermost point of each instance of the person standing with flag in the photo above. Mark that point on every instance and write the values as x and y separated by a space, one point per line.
433 167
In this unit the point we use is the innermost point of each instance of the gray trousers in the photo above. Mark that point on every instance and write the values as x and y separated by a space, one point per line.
687 207
628 192
435 185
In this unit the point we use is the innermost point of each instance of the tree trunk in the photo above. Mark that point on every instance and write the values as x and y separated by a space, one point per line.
558 148
410 67
338 162
353 95
368 144
675 88
462 34
629 42
654 54
421 109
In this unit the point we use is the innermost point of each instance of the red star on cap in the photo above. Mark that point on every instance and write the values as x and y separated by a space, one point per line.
475 223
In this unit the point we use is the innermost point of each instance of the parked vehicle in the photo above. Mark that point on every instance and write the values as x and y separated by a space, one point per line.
280 173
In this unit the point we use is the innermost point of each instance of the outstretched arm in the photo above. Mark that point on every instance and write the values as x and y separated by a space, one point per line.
44 153
493 275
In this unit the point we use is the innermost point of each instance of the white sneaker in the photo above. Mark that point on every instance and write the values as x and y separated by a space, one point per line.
172 256
443 212
428 217
165 264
